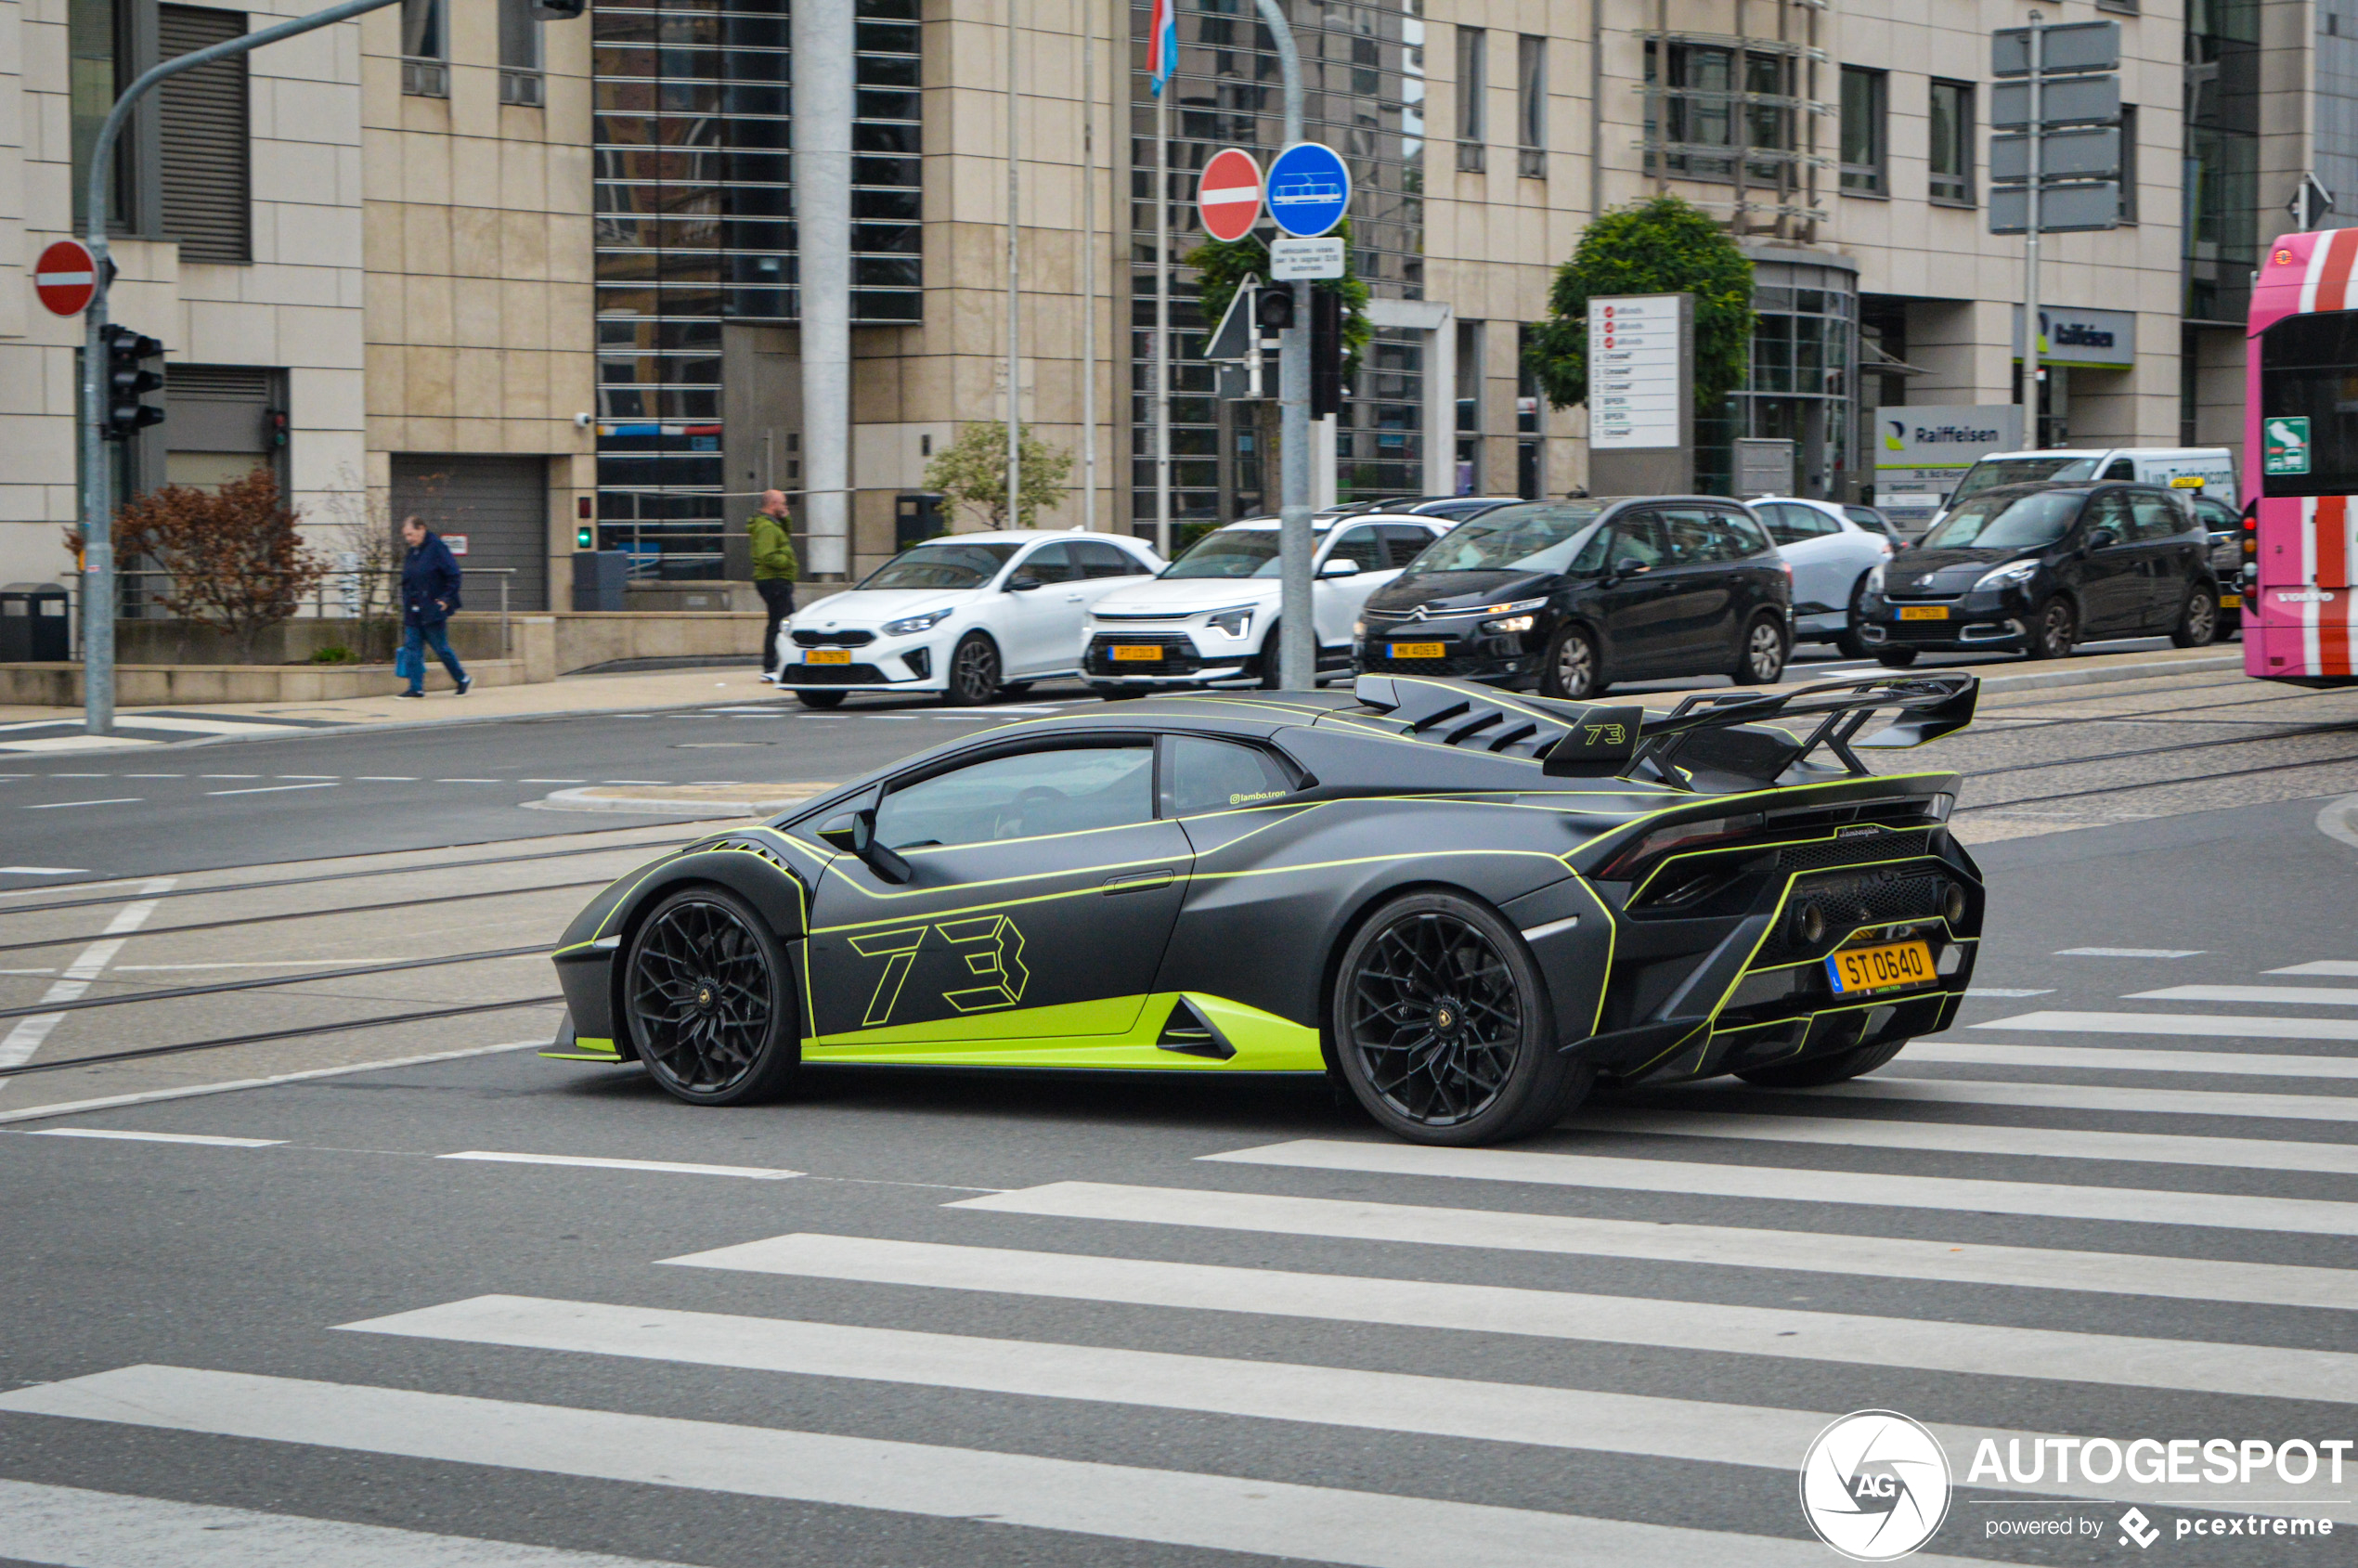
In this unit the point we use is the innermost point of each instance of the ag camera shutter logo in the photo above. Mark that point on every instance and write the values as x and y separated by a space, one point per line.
1874 1486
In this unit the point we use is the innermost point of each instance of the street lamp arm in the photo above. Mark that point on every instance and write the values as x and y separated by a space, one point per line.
1289 65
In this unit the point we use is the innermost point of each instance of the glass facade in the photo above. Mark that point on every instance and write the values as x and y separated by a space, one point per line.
1804 376
2222 158
1362 74
694 227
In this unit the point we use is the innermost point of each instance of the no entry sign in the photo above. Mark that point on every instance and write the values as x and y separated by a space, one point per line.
1229 194
65 276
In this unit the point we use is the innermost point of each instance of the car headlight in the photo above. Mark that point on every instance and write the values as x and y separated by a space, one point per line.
1874 580
2008 576
907 625
1511 624
1358 628
1235 622
1506 609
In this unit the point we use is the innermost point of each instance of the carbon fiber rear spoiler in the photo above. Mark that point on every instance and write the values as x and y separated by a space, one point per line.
1696 736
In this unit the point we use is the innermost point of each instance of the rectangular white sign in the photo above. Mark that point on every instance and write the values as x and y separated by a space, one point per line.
1305 259
1636 350
1929 448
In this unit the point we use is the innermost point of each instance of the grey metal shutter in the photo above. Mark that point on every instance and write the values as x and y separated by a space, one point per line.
204 129
218 407
501 504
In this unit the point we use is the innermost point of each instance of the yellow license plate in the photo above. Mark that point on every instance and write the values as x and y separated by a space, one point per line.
827 655
1137 653
2231 600
1420 650
1880 969
1924 613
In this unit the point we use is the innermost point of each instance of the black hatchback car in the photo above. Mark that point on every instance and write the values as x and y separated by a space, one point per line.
2035 568
1570 596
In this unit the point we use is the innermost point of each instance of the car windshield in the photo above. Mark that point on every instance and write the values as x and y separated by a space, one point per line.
1990 472
2005 523
1229 552
1521 539
942 565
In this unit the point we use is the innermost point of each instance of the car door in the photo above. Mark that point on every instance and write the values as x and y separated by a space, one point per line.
1633 596
2169 554
1335 602
1701 601
1041 890
1039 629
2112 593
1814 546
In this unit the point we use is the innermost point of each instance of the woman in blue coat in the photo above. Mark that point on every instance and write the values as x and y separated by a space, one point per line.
428 594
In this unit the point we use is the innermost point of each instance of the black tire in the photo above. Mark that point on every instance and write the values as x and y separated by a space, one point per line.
1896 658
1824 1069
1847 641
1014 688
1443 1028
973 678
2230 623
1119 694
1575 667
818 699
1273 657
2197 620
1762 651
709 1000
2053 628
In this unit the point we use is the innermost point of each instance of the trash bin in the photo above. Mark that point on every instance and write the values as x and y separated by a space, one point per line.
916 517
35 624
598 578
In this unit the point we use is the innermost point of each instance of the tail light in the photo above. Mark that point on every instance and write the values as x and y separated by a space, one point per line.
1678 836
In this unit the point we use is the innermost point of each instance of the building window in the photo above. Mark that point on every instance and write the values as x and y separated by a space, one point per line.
1951 159
2128 162
1469 377
1531 106
1471 83
520 80
205 139
1713 98
425 49
1526 383
1862 131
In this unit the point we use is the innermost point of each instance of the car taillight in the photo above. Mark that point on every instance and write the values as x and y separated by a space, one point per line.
1678 836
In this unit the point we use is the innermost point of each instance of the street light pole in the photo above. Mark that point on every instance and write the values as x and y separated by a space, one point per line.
98 481
1298 639
2031 238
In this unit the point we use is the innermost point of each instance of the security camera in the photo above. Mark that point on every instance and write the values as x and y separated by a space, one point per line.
581 421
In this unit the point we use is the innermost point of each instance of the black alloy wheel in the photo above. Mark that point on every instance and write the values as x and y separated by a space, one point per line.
1760 658
1847 641
1441 1025
974 672
1823 1069
707 996
1896 658
1272 657
1574 670
818 699
2198 622
2053 627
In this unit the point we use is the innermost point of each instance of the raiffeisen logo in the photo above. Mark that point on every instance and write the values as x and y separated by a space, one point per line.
1948 434
1874 1486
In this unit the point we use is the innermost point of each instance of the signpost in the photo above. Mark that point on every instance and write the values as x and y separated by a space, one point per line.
1229 194
65 277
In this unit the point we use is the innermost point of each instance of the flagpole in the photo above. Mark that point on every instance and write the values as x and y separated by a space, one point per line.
1162 320
1014 321
1089 267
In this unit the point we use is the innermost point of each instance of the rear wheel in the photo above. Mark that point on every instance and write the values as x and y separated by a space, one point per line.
1442 1028
2198 621
974 672
1574 670
1760 658
2054 627
818 699
708 999
1896 658
1851 644
1824 1069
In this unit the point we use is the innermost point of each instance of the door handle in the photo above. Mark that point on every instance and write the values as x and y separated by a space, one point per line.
1139 881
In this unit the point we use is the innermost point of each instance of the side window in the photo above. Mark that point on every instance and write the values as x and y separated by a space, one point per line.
1402 543
1782 525
1023 795
2109 509
1692 537
2158 519
2217 516
1101 560
1742 536
1207 775
1867 518
2121 468
1637 542
1051 564
1360 544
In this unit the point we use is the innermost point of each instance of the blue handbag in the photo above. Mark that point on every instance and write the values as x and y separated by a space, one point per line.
409 662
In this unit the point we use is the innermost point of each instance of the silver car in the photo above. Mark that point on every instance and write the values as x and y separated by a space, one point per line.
1831 549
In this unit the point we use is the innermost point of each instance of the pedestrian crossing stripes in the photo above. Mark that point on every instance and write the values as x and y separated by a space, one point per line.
2296 995
2210 1026
2128 1058
1896 1092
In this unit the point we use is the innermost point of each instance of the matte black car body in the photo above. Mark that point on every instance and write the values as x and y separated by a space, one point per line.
1680 905
1673 619
2096 581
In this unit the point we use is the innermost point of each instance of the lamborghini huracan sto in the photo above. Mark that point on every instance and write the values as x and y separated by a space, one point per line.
1470 907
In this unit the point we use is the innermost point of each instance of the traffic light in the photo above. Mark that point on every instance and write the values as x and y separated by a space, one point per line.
129 381
1276 308
585 538
1325 353
556 10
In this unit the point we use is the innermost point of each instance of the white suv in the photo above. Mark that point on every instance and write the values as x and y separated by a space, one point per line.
1830 549
967 615
1210 618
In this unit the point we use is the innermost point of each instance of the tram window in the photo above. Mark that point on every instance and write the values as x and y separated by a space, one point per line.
2309 369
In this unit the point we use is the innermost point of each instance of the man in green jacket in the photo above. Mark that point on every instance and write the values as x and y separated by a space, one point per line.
775 571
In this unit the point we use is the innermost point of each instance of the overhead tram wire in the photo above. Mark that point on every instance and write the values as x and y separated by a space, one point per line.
383 1021
125 999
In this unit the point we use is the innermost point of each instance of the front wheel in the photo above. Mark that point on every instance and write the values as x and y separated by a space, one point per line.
1442 1026
974 672
1575 671
1896 658
818 699
1824 1069
1760 659
2198 622
1848 642
2054 627
707 998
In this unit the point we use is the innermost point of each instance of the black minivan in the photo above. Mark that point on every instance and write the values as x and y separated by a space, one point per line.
1570 596
2035 568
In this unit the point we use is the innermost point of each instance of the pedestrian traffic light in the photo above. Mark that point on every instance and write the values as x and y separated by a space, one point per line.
585 538
556 10
129 381
1325 353
1276 308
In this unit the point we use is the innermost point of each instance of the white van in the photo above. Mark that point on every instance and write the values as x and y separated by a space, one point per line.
2205 470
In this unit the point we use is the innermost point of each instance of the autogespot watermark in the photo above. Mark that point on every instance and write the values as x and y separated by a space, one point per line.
1876 1486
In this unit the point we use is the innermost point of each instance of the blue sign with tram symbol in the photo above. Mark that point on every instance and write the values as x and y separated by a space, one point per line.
1309 189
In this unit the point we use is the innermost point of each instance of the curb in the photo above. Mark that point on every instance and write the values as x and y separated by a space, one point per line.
2094 674
598 797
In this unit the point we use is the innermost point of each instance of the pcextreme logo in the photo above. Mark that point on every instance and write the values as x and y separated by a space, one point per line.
1874 1486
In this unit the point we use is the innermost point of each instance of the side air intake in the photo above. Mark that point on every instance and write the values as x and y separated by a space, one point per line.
1188 1032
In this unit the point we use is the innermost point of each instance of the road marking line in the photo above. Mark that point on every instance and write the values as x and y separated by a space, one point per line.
2084 1096
2004 991
234 1085
386 778
1177 1508
553 781
2042 1268
152 1137
62 805
270 789
666 1166
2342 966
229 775
1699 1431
155 775
26 1038
43 870
308 775
2306 1216
633 780
471 781
2129 953
2124 1058
1850 1338
2297 995
2228 1025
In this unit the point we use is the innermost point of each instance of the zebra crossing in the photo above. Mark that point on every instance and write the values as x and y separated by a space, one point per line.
1769 1247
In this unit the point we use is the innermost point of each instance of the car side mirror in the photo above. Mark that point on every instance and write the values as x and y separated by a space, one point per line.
1340 567
2102 538
836 831
873 855
1022 585
1621 569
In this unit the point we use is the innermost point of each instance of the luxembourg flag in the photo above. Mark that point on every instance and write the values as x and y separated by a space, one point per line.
1162 44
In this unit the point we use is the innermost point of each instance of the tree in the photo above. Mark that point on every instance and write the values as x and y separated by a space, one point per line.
236 558
1223 266
972 470
1665 246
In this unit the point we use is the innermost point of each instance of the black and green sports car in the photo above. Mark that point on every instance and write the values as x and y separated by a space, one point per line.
1469 906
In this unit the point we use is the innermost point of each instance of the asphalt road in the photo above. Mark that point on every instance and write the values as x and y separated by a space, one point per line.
989 1321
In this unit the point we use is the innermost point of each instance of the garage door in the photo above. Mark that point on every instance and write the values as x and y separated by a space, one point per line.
500 504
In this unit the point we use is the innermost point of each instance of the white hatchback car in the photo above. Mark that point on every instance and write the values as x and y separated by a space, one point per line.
1207 619
1830 549
967 616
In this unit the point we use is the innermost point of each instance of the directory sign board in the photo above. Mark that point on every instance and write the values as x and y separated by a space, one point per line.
1636 371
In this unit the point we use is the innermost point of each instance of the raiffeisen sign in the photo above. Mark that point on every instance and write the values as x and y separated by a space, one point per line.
1928 447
